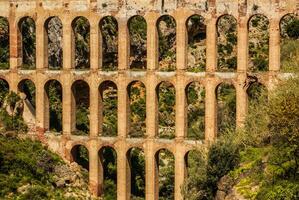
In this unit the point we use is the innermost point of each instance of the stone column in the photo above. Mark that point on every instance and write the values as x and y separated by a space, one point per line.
210 111
179 172
242 45
94 107
180 108
151 106
41 44
67 106
122 107
211 51
68 51
94 44
181 40
123 185
41 114
274 45
152 41
15 43
123 44
151 172
93 168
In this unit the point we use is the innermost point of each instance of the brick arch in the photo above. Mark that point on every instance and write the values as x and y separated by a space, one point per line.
74 156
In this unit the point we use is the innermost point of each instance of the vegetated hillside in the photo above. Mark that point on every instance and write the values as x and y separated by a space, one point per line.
29 171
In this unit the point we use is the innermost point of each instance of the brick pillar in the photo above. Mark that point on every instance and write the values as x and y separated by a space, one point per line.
68 51
94 108
67 108
123 44
41 115
180 108
152 41
179 172
151 172
274 45
15 43
41 44
211 51
151 106
181 41
242 45
241 101
94 44
123 185
210 110
93 168
122 107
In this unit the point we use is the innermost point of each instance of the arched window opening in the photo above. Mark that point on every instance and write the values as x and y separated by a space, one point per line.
137 167
54 99
28 38
289 43
257 93
166 26
80 155
227 43
4 90
108 173
197 34
81 38
80 107
137 30
258 39
195 93
226 107
137 98
4 43
27 90
108 108
165 168
109 31
195 169
166 110
54 38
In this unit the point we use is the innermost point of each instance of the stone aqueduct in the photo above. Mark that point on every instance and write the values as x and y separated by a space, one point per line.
122 10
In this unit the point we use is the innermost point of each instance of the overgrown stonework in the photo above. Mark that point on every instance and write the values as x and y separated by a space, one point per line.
183 53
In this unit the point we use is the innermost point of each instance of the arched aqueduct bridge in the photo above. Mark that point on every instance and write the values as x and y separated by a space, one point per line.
151 77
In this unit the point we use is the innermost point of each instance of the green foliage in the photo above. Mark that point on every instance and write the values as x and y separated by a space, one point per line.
138 31
28 87
292 29
137 163
289 55
27 27
109 31
109 100
4 43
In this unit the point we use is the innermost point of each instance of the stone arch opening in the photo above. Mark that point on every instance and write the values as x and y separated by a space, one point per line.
195 93
4 90
166 110
227 43
53 89
4 43
226 107
80 155
108 172
108 108
137 102
54 43
109 33
27 36
136 161
27 88
165 171
80 107
81 43
258 43
166 27
197 34
289 43
257 93
138 34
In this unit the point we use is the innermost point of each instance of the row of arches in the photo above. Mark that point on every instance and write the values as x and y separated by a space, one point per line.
136 94
136 172
258 39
